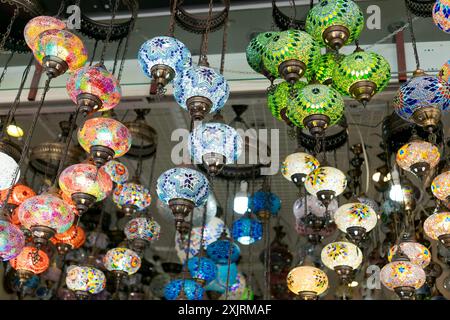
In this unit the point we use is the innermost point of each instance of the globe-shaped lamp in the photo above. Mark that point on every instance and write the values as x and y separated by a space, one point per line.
85 281
416 253
183 290
437 227
29 262
247 230
10 171
202 269
37 25
71 239
280 96
441 15
440 186
255 51
325 66
12 240
117 171
356 219
297 166
307 282
343 257
122 261
264 204
140 231
131 197
418 157
326 183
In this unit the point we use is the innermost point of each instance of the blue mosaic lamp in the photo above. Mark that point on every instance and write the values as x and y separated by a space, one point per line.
202 269
265 204
201 90
163 59
219 251
182 189
181 289
224 275
247 230
422 99
214 144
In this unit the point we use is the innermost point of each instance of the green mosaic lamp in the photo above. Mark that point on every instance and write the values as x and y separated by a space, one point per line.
316 107
290 54
361 75
324 69
255 50
278 98
335 23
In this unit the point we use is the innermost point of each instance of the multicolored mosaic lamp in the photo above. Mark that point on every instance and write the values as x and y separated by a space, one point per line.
182 189
131 197
12 240
316 107
307 282
29 262
201 90
418 156
85 281
437 227
10 171
94 89
297 166
335 23
280 96
180 289
117 171
202 269
247 230
422 100
59 51
416 252
356 219
326 183
264 204
444 73
325 66
18 194
164 58
441 15
290 55
140 231
104 139
342 257
45 215
85 185
71 239
255 51
214 144
361 75
37 25
440 187
121 262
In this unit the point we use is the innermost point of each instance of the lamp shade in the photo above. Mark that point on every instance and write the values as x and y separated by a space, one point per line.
166 51
298 165
191 289
10 171
142 228
12 240
335 16
262 202
279 97
402 274
325 66
247 230
85 178
61 44
440 187
117 171
217 138
95 81
355 215
307 279
444 73
30 261
106 132
313 206
19 194
74 237
122 259
85 279
183 183
441 13
132 194
437 225
341 253
326 179
46 210
220 251
416 253
256 49
202 269
417 155
37 25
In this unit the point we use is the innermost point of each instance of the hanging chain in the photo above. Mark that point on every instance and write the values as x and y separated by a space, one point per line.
5 68
125 49
172 19
8 29
62 6
224 44
204 48
413 37
93 52
294 15
116 56
108 36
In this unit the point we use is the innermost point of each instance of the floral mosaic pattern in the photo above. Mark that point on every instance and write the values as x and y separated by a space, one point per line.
444 73
132 194
307 278
417 151
402 274
416 252
87 279
122 259
324 68
437 224
298 163
355 215
440 187
341 253
326 178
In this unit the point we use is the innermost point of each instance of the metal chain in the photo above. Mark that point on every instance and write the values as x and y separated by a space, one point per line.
204 48
171 30
224 44
125 49
108 36
5 68
116 56
294 15
62 6
93 52
8 29
413 36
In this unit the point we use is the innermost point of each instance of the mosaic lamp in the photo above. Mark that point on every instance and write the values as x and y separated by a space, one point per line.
94 89
131 197
422 100
182 189
291 54
29 262
418 156
12 240
361 75
202 269
121 262
223 249
441 13
201 90
316 107
73 238
85 185
326 183
45 215
117 171
437 227
297 166
325 66
265 204
37 25
444 73
307 282
164 58
186 289
356 219
85 281
440 186
247 230
140 231
17 195
10 171
403 277
279 97
335 23
104 139
255 51
214 144
59 51
342 257
417 253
